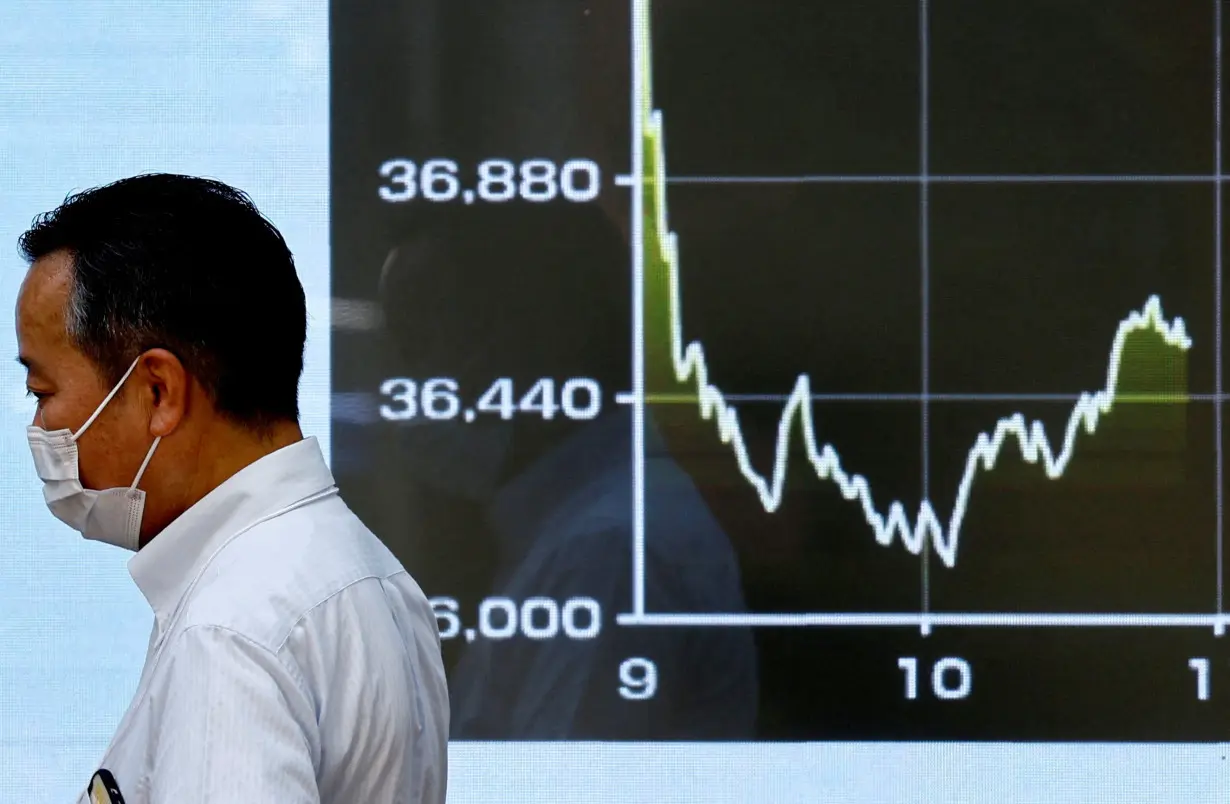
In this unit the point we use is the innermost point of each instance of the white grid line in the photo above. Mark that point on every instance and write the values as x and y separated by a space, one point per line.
628 398
639 41
924 249
1217 290
934 178
938 619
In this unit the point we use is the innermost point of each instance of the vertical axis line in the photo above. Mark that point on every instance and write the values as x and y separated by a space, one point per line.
1217 302
924 227
639 44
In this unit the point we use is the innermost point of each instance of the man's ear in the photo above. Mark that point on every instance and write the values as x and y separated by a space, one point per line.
165 384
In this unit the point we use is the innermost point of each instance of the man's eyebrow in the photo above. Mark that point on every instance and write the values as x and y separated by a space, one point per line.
28 363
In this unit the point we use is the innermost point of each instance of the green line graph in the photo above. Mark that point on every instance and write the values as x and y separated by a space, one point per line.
1146 363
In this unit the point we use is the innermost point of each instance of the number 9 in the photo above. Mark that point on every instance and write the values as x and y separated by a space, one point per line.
639 679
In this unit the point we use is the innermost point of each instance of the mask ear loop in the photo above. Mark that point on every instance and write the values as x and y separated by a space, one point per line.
105 402
145 463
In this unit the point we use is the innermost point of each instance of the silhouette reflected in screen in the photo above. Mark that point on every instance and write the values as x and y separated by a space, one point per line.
521 293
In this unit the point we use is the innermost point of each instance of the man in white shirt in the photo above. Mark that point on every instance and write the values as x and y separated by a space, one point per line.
292 659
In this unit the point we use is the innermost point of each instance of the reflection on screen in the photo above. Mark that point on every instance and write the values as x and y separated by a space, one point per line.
778 401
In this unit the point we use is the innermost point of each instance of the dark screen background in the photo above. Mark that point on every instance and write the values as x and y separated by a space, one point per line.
988 291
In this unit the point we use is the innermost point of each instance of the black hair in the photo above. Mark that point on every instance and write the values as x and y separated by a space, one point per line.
190 265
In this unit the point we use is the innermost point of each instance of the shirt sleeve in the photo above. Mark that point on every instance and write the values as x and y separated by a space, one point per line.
230 724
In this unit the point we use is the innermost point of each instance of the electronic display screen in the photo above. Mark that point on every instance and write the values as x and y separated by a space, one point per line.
778 400
791 371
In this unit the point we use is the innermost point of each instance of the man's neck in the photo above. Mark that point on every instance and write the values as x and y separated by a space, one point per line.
226 450
226 456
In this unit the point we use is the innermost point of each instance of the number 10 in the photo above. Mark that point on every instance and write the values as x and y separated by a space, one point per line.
941 678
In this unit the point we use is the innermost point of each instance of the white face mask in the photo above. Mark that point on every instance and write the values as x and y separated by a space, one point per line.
111 515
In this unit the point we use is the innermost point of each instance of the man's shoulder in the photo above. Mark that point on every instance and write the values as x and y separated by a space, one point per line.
290 571
329 607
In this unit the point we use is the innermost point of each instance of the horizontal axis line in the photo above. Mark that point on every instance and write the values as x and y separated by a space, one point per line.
927 621
625 180
628 398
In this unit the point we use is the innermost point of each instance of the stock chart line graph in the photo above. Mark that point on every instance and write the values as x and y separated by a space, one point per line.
671 369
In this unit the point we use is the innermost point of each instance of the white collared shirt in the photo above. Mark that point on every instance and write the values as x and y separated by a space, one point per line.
293 659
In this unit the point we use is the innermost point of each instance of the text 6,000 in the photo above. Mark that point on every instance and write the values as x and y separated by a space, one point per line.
534 618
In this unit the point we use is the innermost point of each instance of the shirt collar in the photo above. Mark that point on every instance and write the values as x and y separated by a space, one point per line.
168 564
